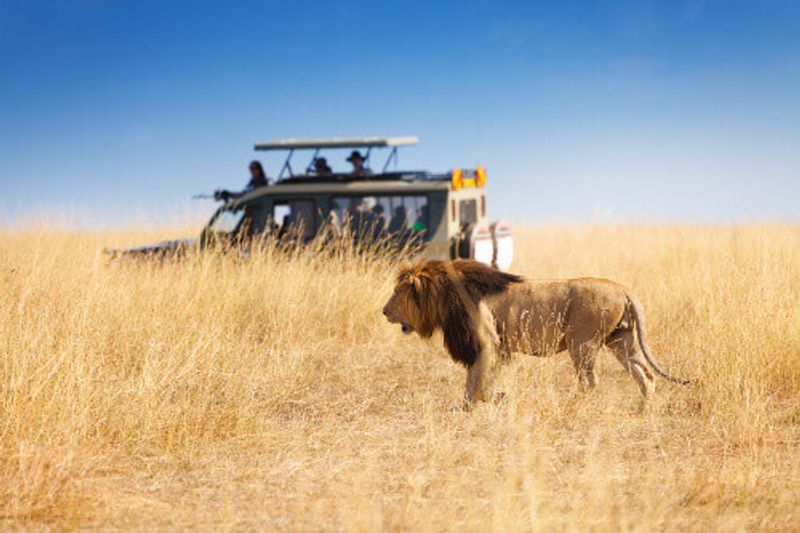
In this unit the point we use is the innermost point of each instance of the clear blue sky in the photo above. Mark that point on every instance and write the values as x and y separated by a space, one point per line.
647 111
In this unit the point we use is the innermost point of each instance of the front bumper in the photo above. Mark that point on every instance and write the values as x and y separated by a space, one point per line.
162 250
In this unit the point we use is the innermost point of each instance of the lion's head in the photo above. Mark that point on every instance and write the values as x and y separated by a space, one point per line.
415 301
431 295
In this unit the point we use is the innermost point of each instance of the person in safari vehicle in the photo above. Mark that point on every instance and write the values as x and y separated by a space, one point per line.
258 178
358 160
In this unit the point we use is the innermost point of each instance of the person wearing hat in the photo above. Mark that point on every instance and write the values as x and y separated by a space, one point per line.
357 160
321 167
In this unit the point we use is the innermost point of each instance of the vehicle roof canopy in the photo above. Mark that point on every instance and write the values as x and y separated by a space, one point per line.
337 142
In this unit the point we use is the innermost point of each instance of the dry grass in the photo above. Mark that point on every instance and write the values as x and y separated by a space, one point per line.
269 393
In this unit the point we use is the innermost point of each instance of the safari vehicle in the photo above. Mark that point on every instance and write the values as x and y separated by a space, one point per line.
445 212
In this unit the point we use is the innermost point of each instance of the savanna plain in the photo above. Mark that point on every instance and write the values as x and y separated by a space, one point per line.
268 392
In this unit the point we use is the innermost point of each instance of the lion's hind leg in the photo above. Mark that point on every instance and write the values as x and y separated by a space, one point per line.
622 344
583 353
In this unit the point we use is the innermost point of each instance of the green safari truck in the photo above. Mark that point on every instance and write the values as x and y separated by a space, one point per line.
445 212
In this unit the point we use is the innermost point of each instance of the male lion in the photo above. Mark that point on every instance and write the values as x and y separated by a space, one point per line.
485 314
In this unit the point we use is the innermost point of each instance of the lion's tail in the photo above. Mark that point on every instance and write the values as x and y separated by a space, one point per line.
638 319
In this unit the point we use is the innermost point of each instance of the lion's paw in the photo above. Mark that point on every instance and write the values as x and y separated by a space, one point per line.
498 397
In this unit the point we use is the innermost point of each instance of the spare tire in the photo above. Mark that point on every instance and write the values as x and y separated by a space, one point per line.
474 242
503 245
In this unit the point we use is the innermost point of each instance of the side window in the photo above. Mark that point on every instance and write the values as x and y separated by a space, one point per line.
280 212
398 215
421 215
295 216
378 215
338 210
361 214
468 212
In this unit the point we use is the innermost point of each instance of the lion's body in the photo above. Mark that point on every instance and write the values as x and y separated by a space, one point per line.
485 314
541 317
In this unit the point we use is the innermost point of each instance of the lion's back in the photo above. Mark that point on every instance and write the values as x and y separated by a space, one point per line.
599 291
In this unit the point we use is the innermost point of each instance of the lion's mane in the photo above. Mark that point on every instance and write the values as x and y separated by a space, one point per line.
445 295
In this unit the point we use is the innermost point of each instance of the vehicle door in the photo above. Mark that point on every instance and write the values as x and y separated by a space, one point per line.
295 218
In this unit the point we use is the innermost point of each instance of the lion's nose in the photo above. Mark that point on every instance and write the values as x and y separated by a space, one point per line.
385 312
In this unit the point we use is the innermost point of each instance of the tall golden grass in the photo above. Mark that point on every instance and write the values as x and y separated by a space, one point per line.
268 392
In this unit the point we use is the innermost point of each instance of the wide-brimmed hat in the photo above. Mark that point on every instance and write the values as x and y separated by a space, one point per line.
355 154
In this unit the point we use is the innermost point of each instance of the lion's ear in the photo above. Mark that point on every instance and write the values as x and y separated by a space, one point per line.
418 285
419 289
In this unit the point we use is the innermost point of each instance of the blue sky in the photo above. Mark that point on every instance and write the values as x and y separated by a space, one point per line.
115 112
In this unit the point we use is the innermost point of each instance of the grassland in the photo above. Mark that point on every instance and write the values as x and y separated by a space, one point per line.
268 393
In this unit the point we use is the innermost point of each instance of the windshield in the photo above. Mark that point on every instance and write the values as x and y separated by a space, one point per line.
227 220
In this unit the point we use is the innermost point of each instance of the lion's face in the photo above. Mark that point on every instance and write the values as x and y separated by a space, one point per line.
415 301
401 309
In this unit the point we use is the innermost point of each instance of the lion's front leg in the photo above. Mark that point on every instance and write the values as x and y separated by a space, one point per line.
480 374
478 378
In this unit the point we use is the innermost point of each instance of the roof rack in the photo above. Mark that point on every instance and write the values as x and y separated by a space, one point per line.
405 175
337 142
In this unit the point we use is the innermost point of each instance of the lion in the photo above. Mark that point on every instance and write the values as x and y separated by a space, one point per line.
485 315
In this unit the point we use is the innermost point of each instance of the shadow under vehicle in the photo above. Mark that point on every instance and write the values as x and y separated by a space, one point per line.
445 212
